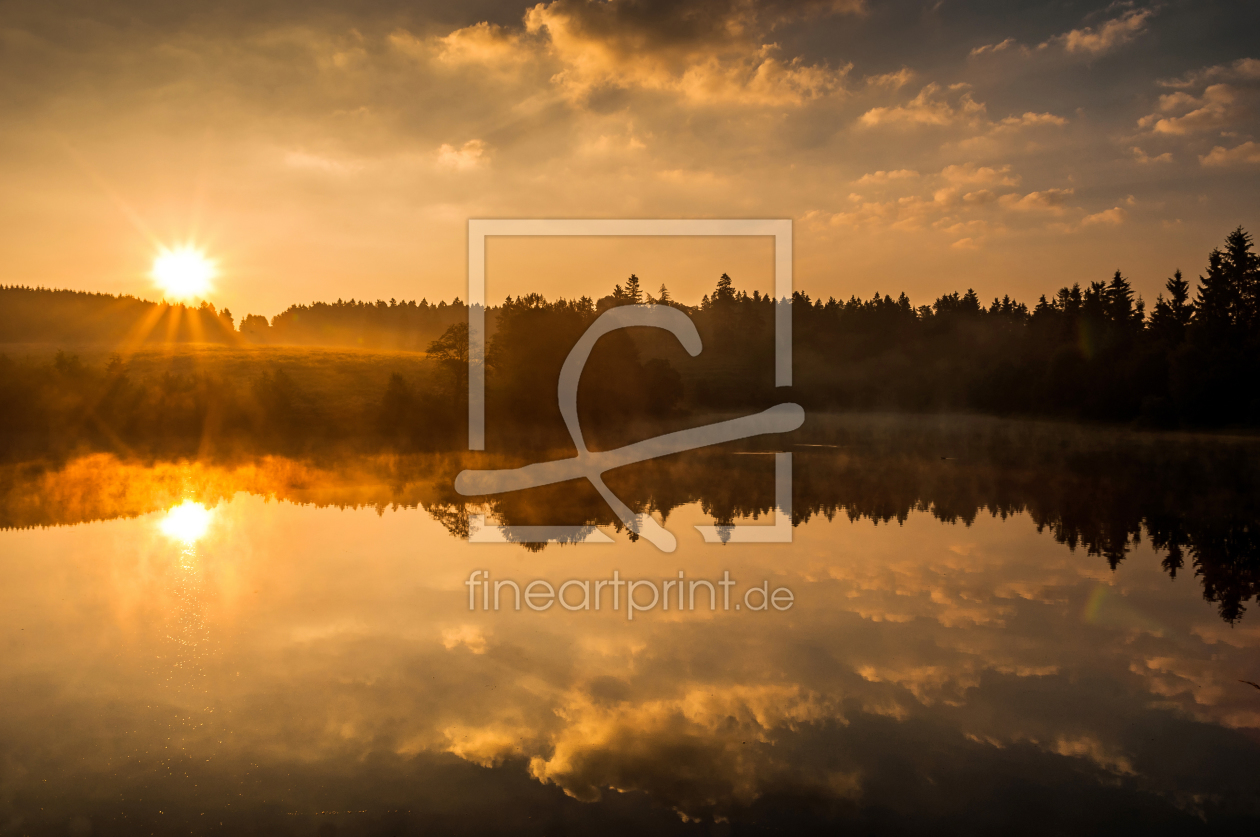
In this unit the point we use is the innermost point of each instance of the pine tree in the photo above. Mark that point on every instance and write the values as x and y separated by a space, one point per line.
634 295
1171 316
725 291
1119 305
970 302
1179 296
1229 295
664 298
1216 379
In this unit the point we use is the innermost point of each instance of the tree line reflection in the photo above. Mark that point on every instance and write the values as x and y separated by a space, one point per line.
1195 499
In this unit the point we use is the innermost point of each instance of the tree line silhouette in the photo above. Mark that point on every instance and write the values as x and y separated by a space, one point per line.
1087 353
44 315
406 325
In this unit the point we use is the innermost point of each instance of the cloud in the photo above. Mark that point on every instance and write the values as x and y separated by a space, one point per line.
1228 101
1111 217
895 80
967 202
1111 34
1094 750
1010 44
483 43
1174 101
927 109
470 636
712 53
1144 158
613 144
932 107
979 198
471 155
1244 69
971 173
886 176
761 80
717 53
701 733
1215 109
1090 41
1247 153
1030 119
1048 200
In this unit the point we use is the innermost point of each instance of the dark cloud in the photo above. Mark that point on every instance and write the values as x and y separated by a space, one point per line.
645 25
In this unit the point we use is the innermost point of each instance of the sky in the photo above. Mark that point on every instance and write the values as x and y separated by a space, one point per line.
317 150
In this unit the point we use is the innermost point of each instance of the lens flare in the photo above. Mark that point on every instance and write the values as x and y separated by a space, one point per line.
183 273
186 522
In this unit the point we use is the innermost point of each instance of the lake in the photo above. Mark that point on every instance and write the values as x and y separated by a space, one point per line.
991 626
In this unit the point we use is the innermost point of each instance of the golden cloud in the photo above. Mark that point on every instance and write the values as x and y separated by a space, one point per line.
1246 153
1111 34
1215 109
717 59
927 109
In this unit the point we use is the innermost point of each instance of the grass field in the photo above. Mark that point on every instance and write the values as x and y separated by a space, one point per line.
351 379
347 376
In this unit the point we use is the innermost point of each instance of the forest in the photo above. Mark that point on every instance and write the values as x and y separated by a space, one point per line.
1088 352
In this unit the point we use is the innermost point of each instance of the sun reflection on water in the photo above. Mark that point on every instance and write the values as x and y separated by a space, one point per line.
186 522
183 661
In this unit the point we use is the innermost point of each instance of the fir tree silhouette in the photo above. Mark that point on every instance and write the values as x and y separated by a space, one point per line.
633 293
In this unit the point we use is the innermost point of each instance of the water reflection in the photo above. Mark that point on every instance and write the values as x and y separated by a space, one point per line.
186 522
950 663
1196 499
182 658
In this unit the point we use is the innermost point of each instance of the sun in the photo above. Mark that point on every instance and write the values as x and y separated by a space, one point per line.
186 522
183 273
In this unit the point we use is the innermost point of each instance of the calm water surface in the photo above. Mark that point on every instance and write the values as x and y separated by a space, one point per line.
960 656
